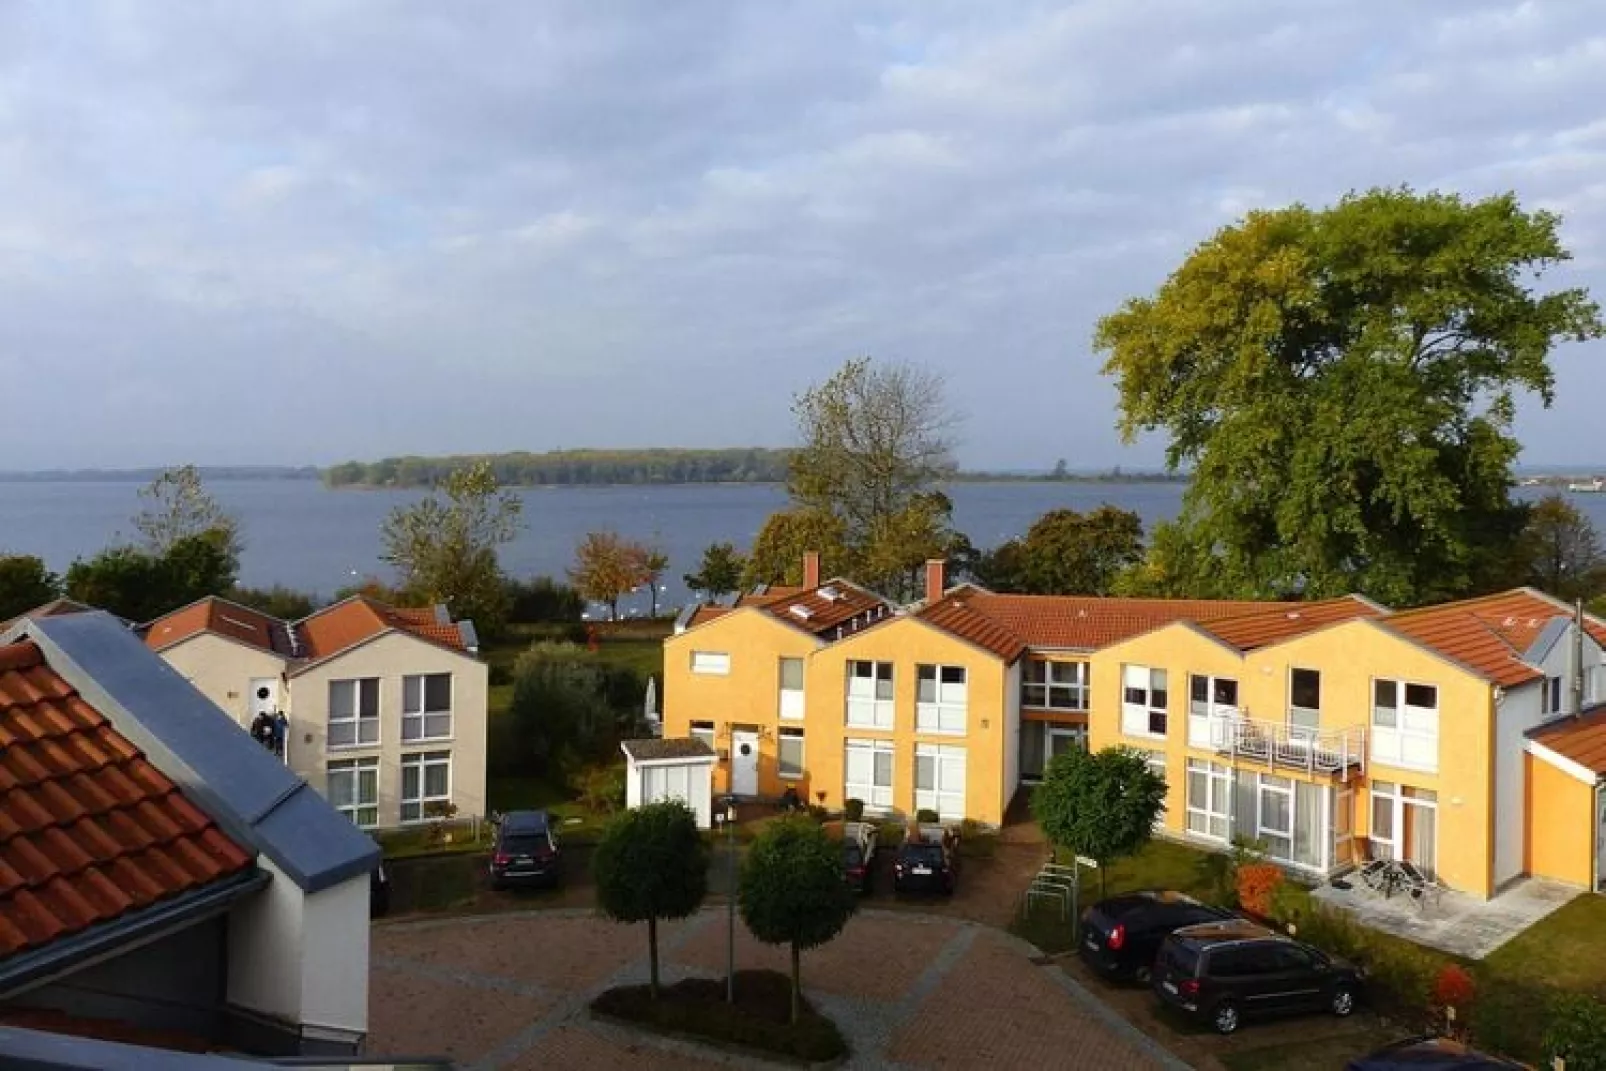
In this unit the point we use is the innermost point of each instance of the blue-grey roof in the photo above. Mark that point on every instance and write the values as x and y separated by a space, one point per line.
251 794
1553 631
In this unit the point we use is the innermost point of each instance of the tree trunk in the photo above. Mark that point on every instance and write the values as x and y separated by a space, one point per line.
797 983
613 608
652 586
652 955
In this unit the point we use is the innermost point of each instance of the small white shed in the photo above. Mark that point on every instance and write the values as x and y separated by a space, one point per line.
673 768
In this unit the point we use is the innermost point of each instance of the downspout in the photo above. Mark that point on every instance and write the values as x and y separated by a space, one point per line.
1578 658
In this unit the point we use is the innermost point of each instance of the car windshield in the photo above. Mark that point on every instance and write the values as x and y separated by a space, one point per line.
524 842
923 854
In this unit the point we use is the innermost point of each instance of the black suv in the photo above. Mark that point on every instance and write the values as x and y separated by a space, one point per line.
526 850
1224 972
1121 935
927 862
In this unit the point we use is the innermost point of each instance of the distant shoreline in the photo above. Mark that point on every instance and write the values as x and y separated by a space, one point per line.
240 476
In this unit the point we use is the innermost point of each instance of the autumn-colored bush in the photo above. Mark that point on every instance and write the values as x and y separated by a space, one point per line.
1454 987
1257 886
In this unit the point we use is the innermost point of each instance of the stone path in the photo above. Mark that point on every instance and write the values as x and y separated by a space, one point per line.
909 990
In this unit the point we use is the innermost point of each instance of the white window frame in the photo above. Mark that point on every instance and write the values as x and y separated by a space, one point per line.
364 728
1156 763
876 796
793 772
1210 818
423 762
1307 719
1210 721
711 663
354 769
1550 696
791 698
1047 684
417 723
942 760
704 731
1407 736
945 711
870 699
1139 707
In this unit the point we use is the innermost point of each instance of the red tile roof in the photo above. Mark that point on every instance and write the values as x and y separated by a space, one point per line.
1274 624
832 604
1582 740
705 613
1086 622
348 623
955 616
224 618
53 608
89 829
772 593
1490 634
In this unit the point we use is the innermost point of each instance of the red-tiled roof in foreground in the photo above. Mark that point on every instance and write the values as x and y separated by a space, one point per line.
1583 740
1274 624
1489 634
1085 622
89 829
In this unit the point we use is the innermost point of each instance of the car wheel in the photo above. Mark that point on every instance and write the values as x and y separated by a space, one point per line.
1343 1001
1225 1017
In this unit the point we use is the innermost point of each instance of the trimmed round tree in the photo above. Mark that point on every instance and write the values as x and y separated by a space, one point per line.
1102 805
792 891
651 864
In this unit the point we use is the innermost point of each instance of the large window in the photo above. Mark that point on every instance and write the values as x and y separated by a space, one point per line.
354 712
427 707
940 780
1212 708
1275 815
940 699
1405 724
1209 799
790 754
1305 699
426 780
1551 699
711 663
1049 685
354 790
1405 824
791 676
869 773
870 695
1144 701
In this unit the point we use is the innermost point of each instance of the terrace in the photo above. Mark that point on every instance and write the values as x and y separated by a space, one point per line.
1340 753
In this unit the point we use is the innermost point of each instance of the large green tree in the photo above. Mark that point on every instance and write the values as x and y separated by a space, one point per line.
137 584
176 507
651 864
25 582
1102 805
792 892
1342 383
607 567
719 572
1560 551
786 535
444 547
1067 553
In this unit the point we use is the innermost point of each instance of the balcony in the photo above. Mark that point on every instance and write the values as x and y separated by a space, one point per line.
1277 746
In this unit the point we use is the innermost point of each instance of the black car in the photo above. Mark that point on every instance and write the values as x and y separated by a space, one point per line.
1225 972
1417 1054
859 840
927 862
526 850
1122 935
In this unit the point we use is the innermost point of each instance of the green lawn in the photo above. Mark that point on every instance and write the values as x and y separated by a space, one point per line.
1567 949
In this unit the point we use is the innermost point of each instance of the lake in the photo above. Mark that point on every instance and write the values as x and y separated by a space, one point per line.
299 533
303 535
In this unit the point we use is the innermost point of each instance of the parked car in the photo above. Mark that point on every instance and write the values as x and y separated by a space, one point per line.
1414 1054
378 892
927 861
525 851
859 842
1122 935
1225 972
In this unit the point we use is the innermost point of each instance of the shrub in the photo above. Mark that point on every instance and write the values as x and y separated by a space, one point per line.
926 815
543 600
1577 1032
1291 905
1219 874
853 810
1454 987
1257 884
758 1019
818 812
602 789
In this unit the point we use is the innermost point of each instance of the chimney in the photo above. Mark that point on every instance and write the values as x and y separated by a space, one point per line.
811 569
936 578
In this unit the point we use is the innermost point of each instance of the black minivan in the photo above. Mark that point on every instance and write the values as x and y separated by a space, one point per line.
525 852
1122 935
1225 972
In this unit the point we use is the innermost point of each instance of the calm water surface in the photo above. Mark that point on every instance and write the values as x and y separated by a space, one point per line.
299 533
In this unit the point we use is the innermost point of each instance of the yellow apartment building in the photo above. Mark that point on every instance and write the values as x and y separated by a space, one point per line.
1461 737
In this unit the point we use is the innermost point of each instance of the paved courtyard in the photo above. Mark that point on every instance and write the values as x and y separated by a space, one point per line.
909 990
1460 925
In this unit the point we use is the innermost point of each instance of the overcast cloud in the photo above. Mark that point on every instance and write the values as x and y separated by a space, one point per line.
298 232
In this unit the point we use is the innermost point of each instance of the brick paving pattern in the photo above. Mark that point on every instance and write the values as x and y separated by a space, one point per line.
908 990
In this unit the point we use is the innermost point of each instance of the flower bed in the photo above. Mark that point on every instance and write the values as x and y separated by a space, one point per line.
759 1020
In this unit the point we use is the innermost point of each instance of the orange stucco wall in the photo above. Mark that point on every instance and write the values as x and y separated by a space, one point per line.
1561 827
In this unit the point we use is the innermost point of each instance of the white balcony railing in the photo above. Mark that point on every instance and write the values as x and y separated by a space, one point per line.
1280 746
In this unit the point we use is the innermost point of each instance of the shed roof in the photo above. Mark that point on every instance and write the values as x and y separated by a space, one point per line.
1581 739
666 748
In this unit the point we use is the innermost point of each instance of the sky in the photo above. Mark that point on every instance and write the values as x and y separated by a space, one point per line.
301 232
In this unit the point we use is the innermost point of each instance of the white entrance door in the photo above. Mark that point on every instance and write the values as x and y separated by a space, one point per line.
744 762
264 696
